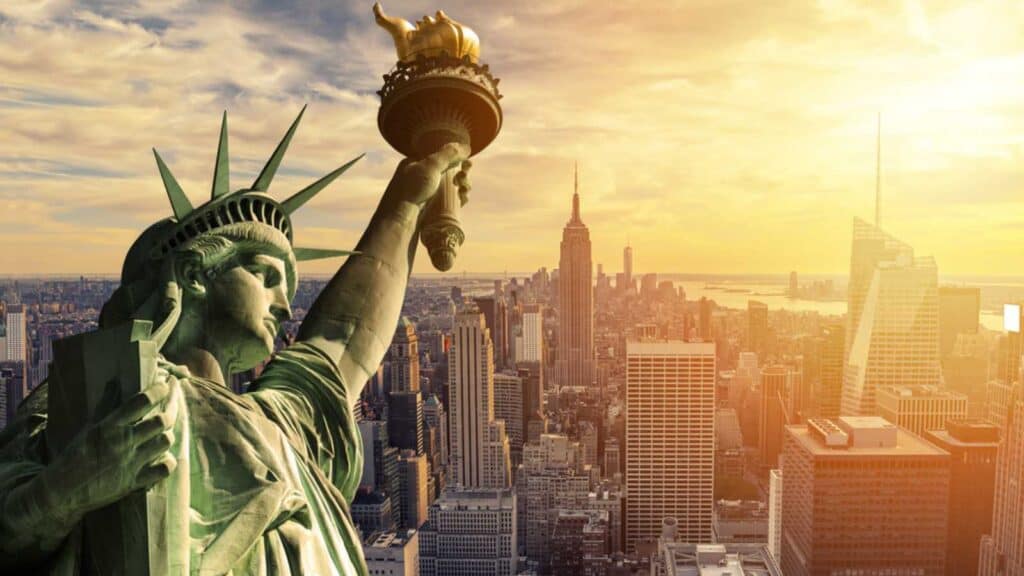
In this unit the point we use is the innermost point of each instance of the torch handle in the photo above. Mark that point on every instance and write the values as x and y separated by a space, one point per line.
442 231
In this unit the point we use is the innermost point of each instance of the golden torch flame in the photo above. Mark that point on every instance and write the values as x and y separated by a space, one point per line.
430 36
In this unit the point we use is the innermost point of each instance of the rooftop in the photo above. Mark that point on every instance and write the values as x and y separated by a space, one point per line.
382 540
670 348
717 560
919 391
866 436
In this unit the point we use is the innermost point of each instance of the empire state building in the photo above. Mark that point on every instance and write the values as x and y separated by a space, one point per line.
575 302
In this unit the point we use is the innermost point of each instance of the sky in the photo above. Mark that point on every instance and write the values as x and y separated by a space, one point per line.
717 136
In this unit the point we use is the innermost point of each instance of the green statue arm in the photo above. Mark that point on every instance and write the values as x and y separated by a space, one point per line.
354 318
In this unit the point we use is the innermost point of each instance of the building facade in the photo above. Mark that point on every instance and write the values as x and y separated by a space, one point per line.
920 408
479 448
670 439
973 446
575 302
470 532
861 496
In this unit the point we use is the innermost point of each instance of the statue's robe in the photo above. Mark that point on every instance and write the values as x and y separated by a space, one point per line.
263 479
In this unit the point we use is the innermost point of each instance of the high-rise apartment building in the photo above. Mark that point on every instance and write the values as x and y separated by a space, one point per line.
468 532
479 447
575 303
861 496
973 446
670 439
920 408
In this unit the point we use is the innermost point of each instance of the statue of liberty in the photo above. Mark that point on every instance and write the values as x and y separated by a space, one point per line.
250 484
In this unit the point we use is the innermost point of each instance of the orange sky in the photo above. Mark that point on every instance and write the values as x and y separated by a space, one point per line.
718 135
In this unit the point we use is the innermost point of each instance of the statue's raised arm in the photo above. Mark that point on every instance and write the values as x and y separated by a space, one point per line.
355 315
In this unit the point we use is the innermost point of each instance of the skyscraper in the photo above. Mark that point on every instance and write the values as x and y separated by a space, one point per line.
496 318
973 445
776 382
775 514
413 474
861 496
402 380
479 448
959 308
893 311
508 407
575 302
830 383
531 349
757 327
402 362
1003 553
704 322
670 439
17 348
627 268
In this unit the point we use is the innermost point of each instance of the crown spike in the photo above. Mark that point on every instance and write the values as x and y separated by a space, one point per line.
179 202
307 254
302 196
262 182
221 185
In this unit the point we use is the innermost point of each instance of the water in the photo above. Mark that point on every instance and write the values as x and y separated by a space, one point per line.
735 292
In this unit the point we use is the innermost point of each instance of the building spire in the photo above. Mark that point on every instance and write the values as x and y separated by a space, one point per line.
576 195
878 173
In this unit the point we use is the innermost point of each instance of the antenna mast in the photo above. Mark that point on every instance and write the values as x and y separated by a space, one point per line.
878 173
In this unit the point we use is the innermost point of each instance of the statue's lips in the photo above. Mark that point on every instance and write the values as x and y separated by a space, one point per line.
272 326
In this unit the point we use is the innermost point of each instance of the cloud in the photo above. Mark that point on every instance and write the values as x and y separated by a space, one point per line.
731 135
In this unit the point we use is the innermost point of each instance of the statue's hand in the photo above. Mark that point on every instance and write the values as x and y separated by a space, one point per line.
125 451
417 181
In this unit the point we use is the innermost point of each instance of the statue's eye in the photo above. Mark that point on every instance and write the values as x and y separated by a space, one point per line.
271 277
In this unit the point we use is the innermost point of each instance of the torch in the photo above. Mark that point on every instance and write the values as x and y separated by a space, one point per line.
437 93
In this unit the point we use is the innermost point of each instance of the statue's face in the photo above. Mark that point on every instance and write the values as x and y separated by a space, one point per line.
246 305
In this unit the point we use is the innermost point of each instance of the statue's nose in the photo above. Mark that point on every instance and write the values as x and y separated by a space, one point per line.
279 306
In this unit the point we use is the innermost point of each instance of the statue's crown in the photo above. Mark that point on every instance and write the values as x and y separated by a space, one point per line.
430 37
251 204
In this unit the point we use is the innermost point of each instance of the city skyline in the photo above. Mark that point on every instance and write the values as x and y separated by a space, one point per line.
745 133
